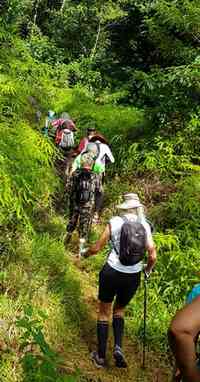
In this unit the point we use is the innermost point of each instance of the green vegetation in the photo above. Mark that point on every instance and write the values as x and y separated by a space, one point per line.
131 68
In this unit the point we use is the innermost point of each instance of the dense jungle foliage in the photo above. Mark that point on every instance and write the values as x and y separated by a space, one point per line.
132 69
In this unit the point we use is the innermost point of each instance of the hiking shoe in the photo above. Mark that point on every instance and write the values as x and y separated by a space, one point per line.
98 362
119 357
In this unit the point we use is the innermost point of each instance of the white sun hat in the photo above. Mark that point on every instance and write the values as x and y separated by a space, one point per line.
131 200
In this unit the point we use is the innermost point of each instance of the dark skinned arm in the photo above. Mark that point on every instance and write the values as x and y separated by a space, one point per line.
151 260
183 331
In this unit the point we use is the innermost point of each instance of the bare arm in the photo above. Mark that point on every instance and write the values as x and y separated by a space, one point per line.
183 331
95 248
151 260
110 155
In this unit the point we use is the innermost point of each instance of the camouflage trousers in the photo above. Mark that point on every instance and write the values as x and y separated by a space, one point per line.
81 215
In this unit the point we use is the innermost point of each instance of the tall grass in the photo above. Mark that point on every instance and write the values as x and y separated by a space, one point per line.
33 265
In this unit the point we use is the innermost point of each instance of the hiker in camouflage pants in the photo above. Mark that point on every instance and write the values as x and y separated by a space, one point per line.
83 212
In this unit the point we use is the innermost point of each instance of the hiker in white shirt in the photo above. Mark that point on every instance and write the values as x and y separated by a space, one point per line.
105 156
119 279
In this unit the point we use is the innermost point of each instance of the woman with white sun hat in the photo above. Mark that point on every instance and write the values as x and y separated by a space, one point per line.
129 235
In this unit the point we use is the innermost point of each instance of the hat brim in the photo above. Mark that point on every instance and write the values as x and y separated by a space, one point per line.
128 206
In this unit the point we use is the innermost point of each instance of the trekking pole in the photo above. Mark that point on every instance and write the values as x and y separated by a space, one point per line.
145 319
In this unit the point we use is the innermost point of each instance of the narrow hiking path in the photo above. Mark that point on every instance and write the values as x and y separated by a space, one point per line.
80 358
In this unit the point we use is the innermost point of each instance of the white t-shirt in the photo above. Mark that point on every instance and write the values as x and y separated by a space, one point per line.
104 151
100 162
113 258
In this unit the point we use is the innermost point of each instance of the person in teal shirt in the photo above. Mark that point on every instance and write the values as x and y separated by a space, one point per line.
183 336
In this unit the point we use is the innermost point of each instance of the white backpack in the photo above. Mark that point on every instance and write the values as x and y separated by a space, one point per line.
67 139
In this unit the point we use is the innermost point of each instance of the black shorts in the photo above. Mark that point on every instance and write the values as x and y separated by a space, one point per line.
114 283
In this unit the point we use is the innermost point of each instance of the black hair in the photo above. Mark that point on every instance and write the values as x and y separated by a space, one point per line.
91 129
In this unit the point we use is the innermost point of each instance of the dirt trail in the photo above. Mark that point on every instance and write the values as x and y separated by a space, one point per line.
154 371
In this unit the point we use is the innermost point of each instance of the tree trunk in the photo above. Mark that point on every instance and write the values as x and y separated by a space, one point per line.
96 41
62 6
35 9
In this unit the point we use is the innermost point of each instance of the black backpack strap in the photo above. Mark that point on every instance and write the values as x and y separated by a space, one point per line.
113 245
124 218
98 150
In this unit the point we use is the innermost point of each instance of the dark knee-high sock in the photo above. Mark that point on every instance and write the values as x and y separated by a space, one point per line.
118 330
102 336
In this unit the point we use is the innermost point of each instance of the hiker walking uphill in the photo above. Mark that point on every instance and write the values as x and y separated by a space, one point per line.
58 128
82 197
104 155
129 235
48 123
63 134
85 140
73 154
64 138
